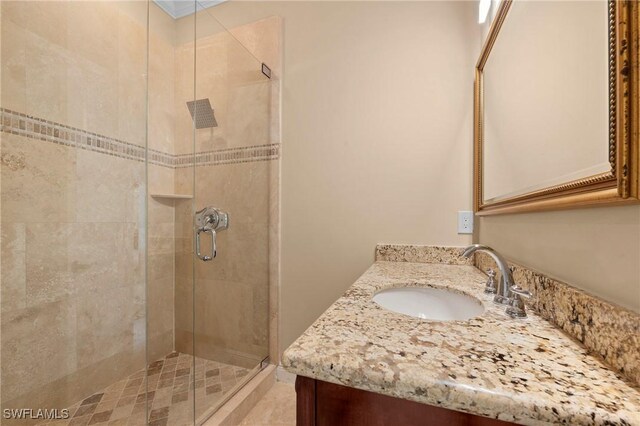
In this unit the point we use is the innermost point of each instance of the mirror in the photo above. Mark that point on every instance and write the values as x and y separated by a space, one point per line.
553 84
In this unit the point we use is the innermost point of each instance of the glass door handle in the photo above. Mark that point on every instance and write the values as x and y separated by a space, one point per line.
210 221
211 232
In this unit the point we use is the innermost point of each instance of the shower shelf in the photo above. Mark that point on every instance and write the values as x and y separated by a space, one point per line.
173 196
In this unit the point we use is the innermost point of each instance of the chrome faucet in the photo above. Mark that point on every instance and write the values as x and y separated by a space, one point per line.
503 296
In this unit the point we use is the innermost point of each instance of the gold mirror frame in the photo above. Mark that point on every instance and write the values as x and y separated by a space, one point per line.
618 186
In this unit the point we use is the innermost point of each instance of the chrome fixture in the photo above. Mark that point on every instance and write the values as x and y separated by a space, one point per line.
210 221
506 279
202 113
517 308
490 287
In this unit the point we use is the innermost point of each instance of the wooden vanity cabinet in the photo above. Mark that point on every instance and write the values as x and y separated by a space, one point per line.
322 403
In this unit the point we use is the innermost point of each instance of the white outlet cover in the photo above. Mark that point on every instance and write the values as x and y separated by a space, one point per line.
465 222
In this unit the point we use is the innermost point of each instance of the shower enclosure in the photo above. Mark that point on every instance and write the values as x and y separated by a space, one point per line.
109 314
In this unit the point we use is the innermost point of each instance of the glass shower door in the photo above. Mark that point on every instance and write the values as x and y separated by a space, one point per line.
226 302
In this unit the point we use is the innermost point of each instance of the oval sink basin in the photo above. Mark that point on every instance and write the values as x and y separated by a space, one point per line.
429 303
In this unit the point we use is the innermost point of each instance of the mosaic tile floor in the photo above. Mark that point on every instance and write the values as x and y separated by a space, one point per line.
170 394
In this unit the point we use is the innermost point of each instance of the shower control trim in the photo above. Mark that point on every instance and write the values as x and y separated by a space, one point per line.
209 221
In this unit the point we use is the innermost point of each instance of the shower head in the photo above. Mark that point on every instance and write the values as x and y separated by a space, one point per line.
202 113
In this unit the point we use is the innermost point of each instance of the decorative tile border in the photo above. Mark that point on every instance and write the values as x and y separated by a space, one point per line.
230 156
37 128
421 254
606 330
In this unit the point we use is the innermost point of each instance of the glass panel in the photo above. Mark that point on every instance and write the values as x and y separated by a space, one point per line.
231 290
73 209
170 284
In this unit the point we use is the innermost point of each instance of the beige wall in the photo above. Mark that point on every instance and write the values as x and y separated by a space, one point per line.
377 112
597 250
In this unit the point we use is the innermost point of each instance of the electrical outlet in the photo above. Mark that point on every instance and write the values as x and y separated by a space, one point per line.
465 222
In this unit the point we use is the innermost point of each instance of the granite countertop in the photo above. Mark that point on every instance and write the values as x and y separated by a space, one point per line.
524 371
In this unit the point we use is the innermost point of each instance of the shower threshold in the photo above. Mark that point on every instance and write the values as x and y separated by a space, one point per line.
172 389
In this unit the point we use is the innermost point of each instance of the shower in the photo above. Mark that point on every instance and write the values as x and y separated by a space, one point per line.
202 113
108 314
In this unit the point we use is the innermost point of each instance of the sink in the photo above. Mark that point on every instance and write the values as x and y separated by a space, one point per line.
429 303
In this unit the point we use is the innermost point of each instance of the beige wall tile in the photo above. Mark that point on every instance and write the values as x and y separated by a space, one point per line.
92 101
132 257
132 68
161 179
136 190
184 265
160 304
241 189
184 181
47 19
160 23
13 278
67 390
46 66
159 266
105 319
248 111
91 33
262 39
160 345
160 210
103 185
47 265
243 255
14 73
239 94
38 181
161 245
183 301
227 322
161 95
95 255
184 91
38 346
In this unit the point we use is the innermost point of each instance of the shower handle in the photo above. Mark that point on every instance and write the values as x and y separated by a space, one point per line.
209 221
214 250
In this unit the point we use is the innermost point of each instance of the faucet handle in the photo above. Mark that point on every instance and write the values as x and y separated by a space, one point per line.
520 291
490 287
517 307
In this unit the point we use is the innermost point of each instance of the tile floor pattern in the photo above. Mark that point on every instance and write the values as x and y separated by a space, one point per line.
170 393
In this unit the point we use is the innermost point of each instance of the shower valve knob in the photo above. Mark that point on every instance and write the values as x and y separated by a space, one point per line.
209 221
